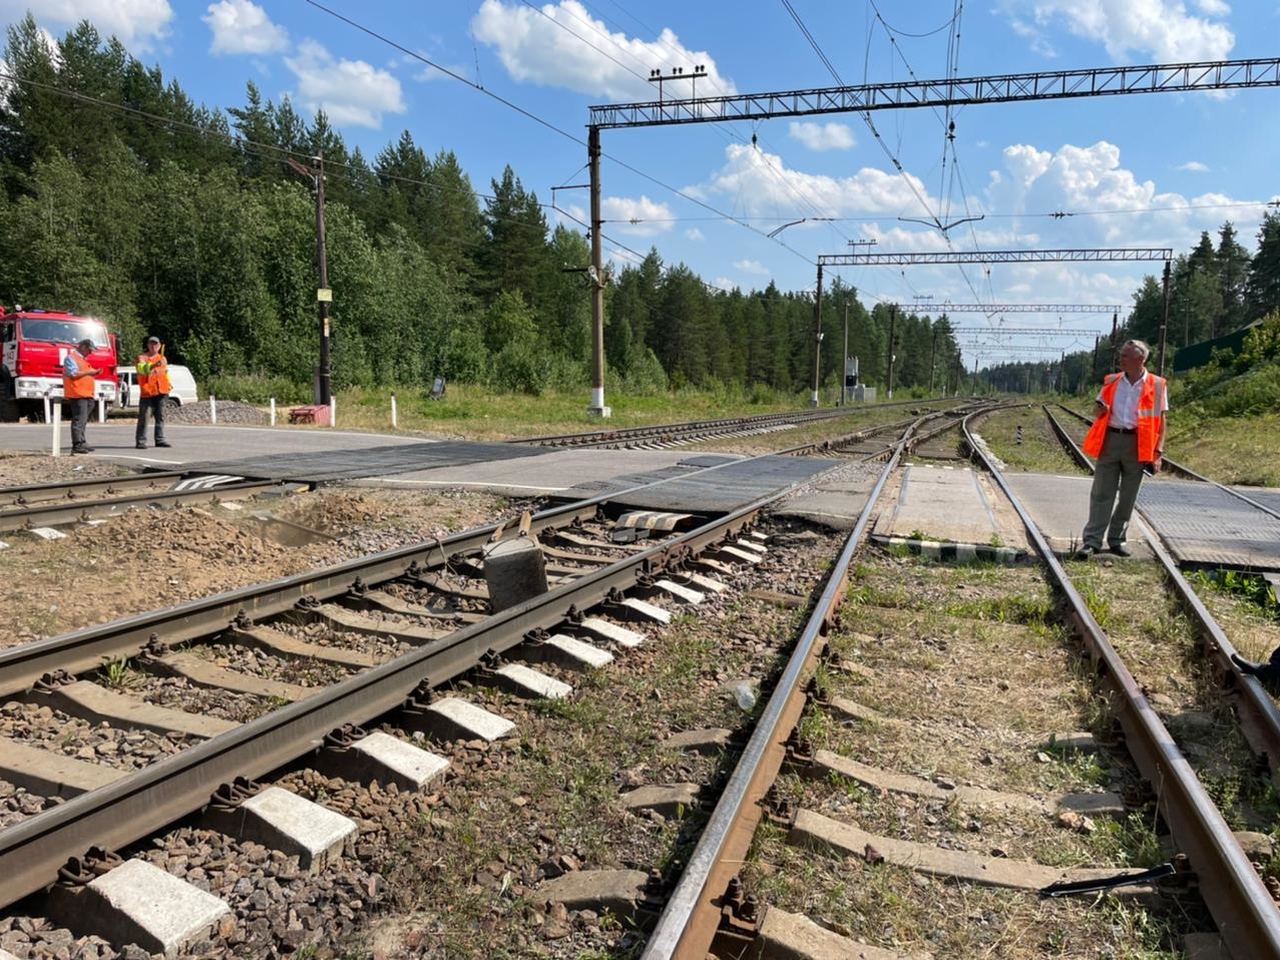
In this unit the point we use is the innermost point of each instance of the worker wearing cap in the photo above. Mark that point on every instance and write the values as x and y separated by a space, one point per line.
153 391
77 388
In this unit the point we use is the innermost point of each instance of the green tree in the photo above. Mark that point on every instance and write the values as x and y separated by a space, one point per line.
1233 270
516 259
1262 290
453 228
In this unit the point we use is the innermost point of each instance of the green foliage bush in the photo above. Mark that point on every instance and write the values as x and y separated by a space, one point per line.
645 376
1235 385
256 389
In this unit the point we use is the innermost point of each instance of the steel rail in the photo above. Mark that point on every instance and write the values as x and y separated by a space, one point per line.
69 511
1246 916
21 667
70 489
122 812
574 439
1257 712
688 922
1259 717
1175 467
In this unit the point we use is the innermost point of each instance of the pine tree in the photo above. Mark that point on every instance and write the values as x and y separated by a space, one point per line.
1262 290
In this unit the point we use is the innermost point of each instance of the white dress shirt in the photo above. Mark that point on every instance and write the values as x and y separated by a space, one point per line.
1124 405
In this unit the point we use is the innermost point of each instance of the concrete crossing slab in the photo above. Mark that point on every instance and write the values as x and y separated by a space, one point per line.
949 504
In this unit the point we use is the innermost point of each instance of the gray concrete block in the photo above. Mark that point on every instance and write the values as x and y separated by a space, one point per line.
643 610
289 823
618 891
705 742
790 936
670 800
527 682
142 904
454 719
576 654
612 632
707 583
388 759
682 593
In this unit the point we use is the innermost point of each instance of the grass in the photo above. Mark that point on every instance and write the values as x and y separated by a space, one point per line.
474 412
1038 450
1228 449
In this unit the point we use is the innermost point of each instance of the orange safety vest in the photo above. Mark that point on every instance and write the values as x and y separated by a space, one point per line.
1150 410
81 388
153 376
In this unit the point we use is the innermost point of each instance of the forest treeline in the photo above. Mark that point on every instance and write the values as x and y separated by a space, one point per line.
123 198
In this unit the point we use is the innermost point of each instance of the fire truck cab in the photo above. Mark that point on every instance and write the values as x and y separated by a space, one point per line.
33 346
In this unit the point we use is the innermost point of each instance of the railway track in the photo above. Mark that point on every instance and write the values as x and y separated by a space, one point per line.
723 907
397 627
374 632
665 436
55 504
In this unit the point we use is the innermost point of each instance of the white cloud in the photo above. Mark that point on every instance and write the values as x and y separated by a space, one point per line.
693 233
751 266
240 26
823 136
135 22
764 187
562 45
1194 166
639 218
724 283
1159 30
350 91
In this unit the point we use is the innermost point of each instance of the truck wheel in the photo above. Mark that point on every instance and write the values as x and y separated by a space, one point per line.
9 412
170 404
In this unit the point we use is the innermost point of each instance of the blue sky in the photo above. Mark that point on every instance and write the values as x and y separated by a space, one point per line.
1150 170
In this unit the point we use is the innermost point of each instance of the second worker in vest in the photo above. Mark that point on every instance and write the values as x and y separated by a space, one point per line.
1126 438
153 392
77 389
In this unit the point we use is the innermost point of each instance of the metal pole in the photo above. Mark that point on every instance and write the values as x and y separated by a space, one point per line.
817 342
1164 320
844 364
323 295
893 321
596 275
933 356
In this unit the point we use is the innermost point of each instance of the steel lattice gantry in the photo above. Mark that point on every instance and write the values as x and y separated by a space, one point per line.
994 256
949 308
1004 88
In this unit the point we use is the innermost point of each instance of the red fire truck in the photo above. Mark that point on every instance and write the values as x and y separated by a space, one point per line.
33 345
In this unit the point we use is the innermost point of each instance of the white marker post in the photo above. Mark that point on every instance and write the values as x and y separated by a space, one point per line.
333 411
48 415
213 409
56 420
394 420
102 410
273 411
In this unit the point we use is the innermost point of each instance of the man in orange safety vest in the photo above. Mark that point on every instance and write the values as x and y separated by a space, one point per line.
77 389
153 392
1126 439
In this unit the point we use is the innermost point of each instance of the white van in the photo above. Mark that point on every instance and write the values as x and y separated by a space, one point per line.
182 386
